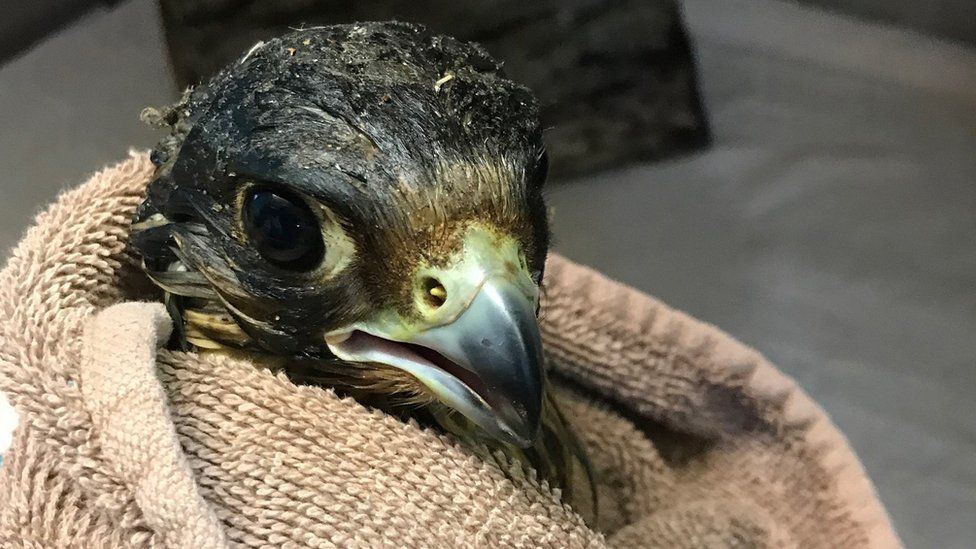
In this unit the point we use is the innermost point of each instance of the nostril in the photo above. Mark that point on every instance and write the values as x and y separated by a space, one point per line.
434 292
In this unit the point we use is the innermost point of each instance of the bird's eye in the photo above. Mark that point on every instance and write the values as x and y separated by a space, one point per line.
283 229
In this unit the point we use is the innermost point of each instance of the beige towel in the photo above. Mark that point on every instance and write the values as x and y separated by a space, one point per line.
697 440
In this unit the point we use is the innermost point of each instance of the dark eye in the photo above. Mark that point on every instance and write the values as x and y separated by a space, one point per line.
283 229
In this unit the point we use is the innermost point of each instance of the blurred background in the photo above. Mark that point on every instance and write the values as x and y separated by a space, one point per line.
801 174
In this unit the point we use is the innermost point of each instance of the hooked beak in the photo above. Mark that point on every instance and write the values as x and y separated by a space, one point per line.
485 362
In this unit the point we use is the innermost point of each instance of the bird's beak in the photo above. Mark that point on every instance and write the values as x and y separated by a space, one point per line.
485 360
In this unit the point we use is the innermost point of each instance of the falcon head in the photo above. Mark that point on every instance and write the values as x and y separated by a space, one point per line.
369 196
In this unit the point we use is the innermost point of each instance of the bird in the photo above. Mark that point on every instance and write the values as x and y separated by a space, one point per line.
361 206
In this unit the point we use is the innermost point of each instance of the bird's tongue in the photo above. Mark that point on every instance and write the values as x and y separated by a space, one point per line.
438 360
364 344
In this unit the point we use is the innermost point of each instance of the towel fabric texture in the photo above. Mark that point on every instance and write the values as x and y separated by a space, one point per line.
696 440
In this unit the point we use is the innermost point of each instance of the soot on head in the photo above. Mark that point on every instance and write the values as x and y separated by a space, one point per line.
397 132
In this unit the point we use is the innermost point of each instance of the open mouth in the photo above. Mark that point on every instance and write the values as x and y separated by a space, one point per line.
485 364
398 353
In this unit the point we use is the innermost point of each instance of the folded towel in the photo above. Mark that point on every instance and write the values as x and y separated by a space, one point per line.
696 440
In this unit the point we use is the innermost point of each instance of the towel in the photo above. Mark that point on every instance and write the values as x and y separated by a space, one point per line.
696 440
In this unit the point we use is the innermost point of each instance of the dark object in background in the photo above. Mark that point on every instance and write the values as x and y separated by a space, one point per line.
616 78
23 22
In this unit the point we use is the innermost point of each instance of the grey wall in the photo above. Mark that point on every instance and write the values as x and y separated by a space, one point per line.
952 19
71 104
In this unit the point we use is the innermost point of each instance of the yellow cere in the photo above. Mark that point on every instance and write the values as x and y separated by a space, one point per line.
485 254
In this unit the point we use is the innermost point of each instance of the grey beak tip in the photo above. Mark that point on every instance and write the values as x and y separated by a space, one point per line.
521 426
497 339
527 438
523 442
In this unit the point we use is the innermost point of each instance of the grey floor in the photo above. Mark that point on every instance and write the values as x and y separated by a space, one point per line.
832 226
